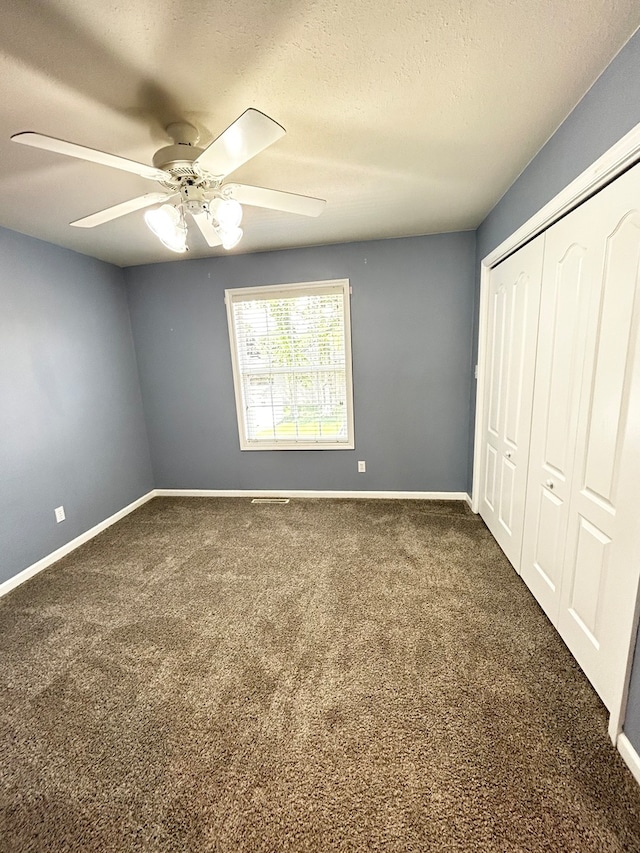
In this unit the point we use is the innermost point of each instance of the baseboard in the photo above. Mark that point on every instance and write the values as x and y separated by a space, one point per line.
630 756
308 493
47 561
469 500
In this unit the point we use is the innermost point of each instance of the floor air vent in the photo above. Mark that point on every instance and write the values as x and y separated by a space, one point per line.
270 501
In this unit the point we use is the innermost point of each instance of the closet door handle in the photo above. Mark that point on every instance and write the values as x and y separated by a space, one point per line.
508 454
549 484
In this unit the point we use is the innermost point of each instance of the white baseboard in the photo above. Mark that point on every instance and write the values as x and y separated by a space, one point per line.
47 561
630 756
32 570
308 493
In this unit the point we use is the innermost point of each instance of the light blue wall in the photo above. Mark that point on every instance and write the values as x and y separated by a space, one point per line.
411 327
607 112
71 421
632 720
610 109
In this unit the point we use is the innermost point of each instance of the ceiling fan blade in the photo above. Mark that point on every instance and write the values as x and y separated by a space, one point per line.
81 152
208 231
275 199
121 209
247 136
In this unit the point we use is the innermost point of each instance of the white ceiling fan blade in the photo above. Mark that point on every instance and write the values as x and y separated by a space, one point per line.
275 199
81 152
247 136
208 231
121 209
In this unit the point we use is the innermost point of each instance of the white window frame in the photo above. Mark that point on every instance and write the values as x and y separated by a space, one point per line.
280 291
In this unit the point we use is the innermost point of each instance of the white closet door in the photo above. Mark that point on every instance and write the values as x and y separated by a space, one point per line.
602 556
570 284
514 303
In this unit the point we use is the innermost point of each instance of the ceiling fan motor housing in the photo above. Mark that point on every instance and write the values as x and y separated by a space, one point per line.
178 159
176 156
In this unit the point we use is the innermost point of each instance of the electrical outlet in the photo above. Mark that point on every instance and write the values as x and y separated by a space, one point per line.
60 516
362 466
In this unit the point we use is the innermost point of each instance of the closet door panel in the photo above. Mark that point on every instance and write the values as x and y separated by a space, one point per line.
507 495
571 261
568 298
489 496
586 578
547 548
613 343
512 333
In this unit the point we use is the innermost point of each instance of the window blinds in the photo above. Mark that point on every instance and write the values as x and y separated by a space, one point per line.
291 364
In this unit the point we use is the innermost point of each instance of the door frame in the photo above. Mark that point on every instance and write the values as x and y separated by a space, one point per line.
621 156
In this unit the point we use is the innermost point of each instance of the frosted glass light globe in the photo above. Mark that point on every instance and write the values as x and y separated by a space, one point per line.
168 226
227 212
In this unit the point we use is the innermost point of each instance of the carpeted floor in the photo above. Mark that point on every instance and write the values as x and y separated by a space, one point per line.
211 675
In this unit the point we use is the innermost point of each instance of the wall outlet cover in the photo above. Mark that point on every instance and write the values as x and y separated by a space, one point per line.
60 516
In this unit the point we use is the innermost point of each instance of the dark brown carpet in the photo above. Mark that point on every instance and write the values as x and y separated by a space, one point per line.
323 676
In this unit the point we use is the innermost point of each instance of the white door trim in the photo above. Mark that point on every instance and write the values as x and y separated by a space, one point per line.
606 168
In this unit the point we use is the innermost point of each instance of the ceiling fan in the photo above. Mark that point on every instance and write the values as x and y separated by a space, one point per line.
194 181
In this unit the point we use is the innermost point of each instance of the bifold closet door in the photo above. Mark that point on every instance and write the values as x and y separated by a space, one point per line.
581 542
514 302
602 555
570 288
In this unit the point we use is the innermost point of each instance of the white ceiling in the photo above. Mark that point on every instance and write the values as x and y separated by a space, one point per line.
409 116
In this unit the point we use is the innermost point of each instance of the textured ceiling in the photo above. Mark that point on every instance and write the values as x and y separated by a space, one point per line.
408 116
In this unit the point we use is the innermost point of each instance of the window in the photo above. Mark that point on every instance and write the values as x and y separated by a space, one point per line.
291 357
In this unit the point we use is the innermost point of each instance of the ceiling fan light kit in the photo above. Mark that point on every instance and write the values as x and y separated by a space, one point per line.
168 222
196 177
